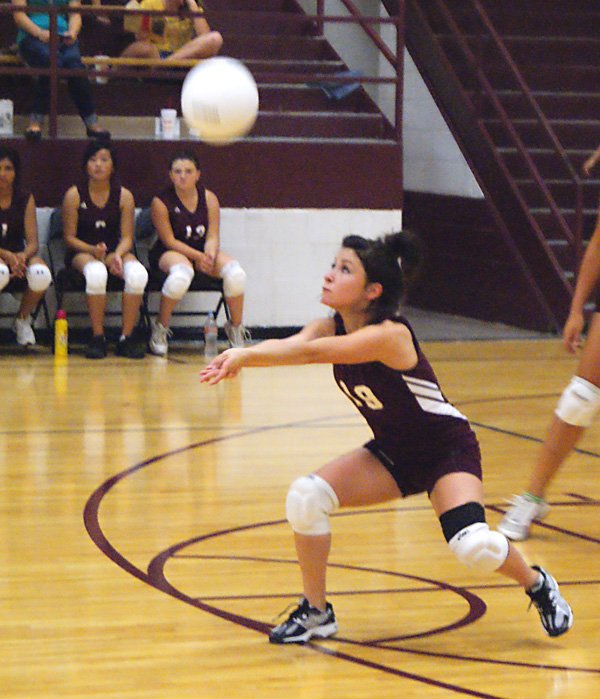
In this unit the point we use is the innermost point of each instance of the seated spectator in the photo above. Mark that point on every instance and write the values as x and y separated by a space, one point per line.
19 244
98 225
33 40
170 37
186 218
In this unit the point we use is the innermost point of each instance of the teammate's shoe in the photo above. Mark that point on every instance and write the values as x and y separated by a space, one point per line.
555 613
24 331
523 510
237 335
304 623
96 348
127 347
159 341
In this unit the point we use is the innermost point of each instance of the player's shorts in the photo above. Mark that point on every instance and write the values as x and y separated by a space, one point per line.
418 476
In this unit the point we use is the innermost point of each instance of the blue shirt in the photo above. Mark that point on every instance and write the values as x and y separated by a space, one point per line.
43 20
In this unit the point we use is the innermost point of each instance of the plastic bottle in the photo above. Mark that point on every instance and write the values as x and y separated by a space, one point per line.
211 331
61 334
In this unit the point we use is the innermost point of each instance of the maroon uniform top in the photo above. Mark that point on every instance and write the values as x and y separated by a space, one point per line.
188 226
12 223
418 432
97 224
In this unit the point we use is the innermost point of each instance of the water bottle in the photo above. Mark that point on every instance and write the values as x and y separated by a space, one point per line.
211 331
61 334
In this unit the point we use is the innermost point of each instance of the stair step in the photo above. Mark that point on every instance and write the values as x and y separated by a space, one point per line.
290 24
527 50
294 65
253 5
312 125
540 77
259 46
577 133
551 23
552 229
562 190
555 105
547 161
321 125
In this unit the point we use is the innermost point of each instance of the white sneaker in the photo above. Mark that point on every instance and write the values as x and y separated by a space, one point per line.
24 331
159 341
237 334
524 509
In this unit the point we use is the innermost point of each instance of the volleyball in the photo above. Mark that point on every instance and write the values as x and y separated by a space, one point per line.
219 100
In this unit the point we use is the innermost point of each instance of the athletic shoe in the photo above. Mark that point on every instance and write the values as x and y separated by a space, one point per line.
237 335
159 341
555 613
96 348
126 347
524 509
304 623
24 331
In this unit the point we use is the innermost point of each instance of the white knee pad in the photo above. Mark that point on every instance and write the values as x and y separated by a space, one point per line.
135 276
310 501
479 548
96 276
234 279
579 402
38 277
178 282
4 275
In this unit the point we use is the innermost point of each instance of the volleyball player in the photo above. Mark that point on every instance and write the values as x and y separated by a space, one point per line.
421 443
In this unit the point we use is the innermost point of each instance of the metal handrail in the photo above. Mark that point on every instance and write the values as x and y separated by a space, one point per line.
574 238
55 72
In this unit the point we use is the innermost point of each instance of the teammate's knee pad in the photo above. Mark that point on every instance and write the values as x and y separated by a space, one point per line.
234 279
4 275
579 403
38 277
96 277
471 540
178 282
135 276
310 501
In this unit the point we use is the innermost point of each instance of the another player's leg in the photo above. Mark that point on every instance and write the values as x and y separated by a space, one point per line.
576 409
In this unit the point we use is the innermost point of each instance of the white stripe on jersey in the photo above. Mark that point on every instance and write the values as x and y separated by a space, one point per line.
430 398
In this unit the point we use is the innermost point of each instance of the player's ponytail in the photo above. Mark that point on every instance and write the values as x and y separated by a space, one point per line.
392 261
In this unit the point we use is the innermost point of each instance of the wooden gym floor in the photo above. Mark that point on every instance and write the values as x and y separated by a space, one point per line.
145 553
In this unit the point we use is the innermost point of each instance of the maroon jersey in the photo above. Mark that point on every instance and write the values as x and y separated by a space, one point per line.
100 224
188 226
12 223
415 427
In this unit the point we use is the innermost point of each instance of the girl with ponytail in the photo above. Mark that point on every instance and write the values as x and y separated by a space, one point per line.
421 442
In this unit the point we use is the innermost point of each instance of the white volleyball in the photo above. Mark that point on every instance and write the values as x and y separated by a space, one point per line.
219 100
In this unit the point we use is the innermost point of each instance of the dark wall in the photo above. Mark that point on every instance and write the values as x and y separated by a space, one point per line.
469 269
246 174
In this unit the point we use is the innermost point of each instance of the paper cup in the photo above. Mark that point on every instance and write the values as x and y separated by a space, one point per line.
101 79
168 123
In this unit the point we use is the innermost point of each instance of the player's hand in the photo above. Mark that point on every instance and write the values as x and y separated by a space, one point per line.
100 251
226 366
572 332
116 265
206 263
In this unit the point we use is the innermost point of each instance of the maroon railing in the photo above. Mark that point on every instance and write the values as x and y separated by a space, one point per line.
492 38
263 77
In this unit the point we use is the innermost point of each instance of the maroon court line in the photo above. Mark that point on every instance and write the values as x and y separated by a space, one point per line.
94 530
